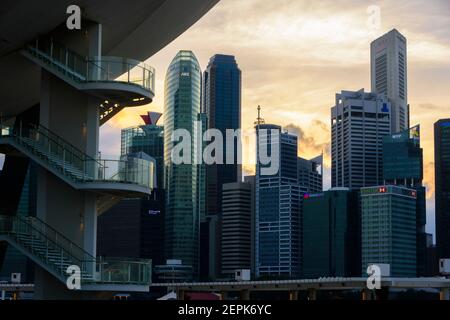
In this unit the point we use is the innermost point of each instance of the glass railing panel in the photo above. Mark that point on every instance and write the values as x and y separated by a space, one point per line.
123 271
106 68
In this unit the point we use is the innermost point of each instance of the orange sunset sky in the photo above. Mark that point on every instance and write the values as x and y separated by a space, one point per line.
295 55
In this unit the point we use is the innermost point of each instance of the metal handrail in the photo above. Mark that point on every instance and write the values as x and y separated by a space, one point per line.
88 69
133 170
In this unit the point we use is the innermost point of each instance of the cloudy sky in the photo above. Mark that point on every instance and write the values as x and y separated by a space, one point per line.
295 55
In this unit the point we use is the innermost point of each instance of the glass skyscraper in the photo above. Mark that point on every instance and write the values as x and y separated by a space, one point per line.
181 110
403 166
277 206
222 104
442 183
331 234
147 138
389 229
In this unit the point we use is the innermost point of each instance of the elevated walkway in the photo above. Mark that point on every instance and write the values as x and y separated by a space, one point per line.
53 252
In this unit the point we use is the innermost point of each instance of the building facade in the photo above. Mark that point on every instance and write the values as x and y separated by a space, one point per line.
442 185
331 234
310 174
181 110
403 166
389 75
389 233
236 227
359 120
222 105
147 138
277 205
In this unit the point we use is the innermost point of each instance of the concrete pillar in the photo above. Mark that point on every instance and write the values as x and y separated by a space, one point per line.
293 295
366 294
3 295
245 295
312 294
90 228
444 294
95 48
224 295
180 294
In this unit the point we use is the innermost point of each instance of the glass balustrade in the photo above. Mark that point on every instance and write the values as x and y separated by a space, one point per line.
75 164
85 69
45 243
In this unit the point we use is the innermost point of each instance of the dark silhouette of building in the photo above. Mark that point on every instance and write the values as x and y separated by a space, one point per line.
442 186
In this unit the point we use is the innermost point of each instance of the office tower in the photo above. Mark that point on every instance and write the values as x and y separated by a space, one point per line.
133 228
236 227
310 174
331 234
147 138
181 110
403 166
442 185
389 229
359 120
277 205
252 181
222 104
389 75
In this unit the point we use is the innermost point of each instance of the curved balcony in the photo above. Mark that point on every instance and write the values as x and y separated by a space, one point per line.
117 82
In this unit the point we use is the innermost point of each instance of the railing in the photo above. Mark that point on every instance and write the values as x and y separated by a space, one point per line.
44 243
57 252
103 69
75 164
123 270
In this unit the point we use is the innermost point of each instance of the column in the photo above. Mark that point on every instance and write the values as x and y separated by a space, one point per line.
444 294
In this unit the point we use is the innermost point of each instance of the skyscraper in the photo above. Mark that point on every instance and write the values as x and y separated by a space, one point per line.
181 109
331 234
389 76
277 205
403 166
236 227
359 120
222 104
147 138
389 229
310 174
442 184
135 227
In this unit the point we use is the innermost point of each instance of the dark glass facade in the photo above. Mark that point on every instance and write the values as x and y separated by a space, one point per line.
181 111
389 230
222 104
331 234
277 207
148 139
442 185
133 228
403 166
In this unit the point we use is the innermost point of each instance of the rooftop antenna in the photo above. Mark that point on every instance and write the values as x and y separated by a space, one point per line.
259 120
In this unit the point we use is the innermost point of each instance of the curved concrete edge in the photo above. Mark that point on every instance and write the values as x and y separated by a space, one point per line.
115 287
116 187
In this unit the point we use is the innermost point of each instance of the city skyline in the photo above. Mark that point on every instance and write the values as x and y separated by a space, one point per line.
288 77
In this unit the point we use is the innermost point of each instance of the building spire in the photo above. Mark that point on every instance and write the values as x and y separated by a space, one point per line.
259 120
